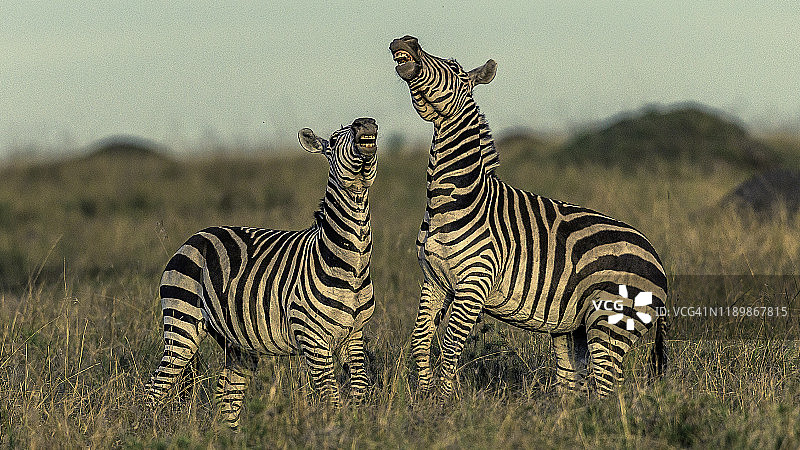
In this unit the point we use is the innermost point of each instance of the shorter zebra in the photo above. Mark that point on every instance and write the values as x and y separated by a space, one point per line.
269 292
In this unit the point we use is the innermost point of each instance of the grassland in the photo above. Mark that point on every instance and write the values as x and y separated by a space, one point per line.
83 242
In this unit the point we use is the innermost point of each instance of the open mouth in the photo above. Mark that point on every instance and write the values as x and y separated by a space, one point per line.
408 56
366 140
401 57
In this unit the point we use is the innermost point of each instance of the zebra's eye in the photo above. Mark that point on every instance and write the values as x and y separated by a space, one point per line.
332 142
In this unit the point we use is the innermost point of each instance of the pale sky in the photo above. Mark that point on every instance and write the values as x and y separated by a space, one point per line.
252 73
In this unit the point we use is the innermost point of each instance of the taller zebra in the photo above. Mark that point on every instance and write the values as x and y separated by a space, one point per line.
530 261
270 292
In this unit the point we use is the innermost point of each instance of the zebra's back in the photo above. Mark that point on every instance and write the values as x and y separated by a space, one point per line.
246 276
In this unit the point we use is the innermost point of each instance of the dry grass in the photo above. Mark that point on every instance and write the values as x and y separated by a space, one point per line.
82 244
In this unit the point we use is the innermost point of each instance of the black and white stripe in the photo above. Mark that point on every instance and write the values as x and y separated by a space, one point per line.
269 292
527 260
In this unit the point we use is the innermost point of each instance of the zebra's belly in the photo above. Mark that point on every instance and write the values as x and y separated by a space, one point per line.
334 315
530 311
254 325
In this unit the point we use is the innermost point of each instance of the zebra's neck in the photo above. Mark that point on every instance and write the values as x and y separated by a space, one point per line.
343 220
462 155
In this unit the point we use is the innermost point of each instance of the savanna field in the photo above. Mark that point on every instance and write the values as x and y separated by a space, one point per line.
83 241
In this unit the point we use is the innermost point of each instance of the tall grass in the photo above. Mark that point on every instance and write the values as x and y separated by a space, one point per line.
83 242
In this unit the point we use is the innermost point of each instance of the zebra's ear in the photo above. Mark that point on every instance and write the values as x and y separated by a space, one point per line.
310 141
483 74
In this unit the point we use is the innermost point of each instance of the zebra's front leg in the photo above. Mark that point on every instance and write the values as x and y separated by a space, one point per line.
319 361
467 305
430 304
356 360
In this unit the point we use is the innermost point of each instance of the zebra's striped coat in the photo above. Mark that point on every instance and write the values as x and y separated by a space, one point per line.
272 292
527 260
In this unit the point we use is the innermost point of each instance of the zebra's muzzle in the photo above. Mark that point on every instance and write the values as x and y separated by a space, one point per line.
405 52
366 131
406 67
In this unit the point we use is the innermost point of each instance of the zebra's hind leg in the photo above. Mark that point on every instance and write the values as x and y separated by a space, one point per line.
572 358
184 326
182 336
232 384
607 348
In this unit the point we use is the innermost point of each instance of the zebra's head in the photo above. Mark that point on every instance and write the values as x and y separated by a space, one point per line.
350 152
440 88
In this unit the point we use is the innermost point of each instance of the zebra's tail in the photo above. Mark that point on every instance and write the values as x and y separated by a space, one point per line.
658 357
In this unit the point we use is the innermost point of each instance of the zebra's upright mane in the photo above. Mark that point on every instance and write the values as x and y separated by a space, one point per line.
489 155
319 214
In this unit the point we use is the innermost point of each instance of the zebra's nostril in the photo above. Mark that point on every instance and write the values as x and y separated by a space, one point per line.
364 120
365 125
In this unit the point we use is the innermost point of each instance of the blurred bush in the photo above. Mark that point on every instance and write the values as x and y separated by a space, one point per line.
767 193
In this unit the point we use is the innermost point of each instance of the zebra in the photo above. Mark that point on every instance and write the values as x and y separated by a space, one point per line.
539 264
259 292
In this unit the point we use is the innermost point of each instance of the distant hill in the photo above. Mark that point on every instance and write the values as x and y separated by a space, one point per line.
693 134
126 146
520 144
120 159
521 137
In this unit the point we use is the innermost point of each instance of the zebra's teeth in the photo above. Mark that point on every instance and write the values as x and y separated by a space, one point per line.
402 57
366 141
